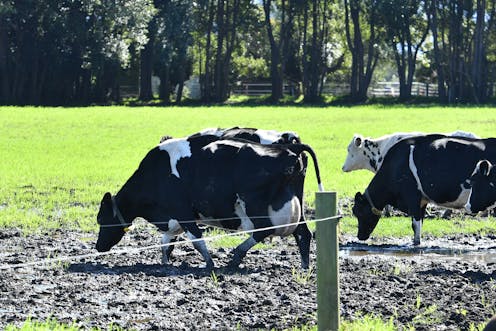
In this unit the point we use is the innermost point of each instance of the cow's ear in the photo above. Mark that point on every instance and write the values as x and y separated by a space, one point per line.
358 196
484 167
357 140
107 198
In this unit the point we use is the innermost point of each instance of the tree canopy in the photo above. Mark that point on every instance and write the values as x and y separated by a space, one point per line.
83 51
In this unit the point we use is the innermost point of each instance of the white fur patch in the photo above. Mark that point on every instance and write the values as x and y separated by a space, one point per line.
441 143
213 146
177 148
259 150
460 201
268 137
289 214
212 131
240 211
359 157
174 230
414 171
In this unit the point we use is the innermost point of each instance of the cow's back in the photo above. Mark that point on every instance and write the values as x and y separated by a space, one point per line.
439 164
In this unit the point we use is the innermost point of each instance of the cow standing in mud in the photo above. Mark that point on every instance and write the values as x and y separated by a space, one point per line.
236 184
482 195
302 234
368 153
419 170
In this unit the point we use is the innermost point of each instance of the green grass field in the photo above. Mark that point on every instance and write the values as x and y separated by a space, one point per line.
58 162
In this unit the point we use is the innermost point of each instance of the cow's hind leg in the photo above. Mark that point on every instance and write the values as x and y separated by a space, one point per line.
240 252
303 236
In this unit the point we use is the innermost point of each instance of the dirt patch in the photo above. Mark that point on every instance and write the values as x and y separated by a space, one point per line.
427 290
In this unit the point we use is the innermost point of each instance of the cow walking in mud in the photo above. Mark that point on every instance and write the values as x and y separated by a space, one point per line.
302 234
233 183
368 153
421 170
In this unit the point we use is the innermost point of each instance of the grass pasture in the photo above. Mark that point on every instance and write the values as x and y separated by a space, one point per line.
57 162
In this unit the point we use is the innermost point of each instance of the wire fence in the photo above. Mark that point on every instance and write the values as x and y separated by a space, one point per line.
55 260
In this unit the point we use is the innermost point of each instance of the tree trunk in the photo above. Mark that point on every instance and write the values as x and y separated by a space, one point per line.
146 71
478 63
441 88
275 56
165 86
4 74
207 83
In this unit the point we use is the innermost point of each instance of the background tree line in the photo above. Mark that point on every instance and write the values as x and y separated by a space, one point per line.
81 51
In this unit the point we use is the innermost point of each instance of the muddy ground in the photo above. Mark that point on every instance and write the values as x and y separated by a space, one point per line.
447 284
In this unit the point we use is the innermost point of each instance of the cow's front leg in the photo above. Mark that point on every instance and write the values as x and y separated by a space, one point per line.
417 221
167 247
417 229
172 230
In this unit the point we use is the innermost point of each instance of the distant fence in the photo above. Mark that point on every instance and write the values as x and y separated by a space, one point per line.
255 89
392 89
380 89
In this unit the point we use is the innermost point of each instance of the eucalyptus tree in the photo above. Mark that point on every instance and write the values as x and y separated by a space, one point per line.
219 28
463 54
319 45
166 52
59 52
407 26
284 11
364 35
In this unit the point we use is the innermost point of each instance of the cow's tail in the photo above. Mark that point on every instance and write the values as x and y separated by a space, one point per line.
298 149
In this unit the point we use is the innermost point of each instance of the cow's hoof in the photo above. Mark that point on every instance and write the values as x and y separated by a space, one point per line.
416 242
234 263
305 265
209 266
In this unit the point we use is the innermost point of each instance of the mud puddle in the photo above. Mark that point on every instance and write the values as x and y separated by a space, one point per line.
487 256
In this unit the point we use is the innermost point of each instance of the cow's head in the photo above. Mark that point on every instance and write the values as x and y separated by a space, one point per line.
483 191
355 157
289 137
367 216
111 228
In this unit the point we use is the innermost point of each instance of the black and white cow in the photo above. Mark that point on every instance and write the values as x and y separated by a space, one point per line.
419 170
237 184
264 137
483 188
270 137
368 153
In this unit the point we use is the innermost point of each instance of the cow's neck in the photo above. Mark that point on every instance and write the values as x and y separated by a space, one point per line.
125 207
376 196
